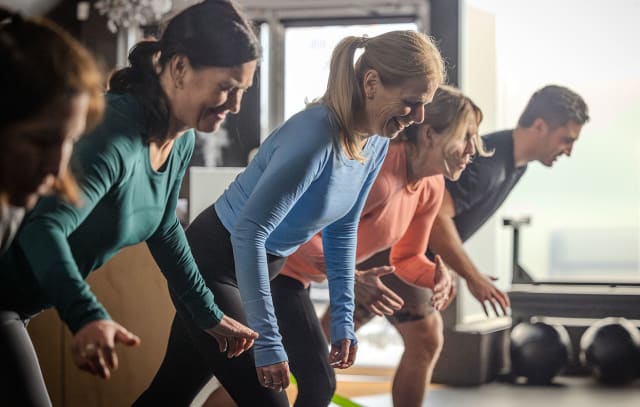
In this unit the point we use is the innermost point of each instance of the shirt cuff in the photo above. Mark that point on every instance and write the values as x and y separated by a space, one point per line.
341 332
269 355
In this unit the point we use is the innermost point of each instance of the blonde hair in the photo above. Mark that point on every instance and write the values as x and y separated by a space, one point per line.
397 56
449 110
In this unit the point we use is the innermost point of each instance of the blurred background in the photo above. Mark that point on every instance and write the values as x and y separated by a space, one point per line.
585 212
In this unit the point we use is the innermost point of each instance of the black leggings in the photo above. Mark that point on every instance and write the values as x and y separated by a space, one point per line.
192 356
21 382
304 338
304 342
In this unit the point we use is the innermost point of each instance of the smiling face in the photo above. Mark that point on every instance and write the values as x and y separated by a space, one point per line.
37 150
458 147
556 142
447 152
389 109
202 97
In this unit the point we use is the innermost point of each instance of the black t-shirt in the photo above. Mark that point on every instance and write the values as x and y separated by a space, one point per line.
485 184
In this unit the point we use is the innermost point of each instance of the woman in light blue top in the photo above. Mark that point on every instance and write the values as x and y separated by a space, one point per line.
312 174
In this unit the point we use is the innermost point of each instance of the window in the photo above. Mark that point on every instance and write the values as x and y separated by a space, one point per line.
308 55
586 209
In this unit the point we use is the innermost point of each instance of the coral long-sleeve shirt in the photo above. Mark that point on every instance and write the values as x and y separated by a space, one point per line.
396 215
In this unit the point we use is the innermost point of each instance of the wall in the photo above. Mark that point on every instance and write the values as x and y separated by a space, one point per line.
135 293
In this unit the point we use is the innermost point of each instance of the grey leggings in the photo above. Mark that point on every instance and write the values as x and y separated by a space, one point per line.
21 382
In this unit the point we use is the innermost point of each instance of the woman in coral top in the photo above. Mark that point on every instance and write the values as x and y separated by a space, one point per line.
398 215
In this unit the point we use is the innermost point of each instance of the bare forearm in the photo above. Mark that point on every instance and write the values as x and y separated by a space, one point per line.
446 242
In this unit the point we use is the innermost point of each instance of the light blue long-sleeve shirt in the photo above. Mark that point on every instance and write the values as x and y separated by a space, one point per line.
299 183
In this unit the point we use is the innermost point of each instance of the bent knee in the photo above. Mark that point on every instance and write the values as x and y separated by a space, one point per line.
423 340
433 343
317 391
426 346
315 396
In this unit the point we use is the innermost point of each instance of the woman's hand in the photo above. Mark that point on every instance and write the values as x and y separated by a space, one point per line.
274 377
343 354
233 337
93 346
372 292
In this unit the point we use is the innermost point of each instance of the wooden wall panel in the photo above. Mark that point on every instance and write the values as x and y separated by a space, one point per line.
47 334
135 293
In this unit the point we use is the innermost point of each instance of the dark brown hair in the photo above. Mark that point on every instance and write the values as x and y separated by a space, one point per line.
556 105
41 65
211 33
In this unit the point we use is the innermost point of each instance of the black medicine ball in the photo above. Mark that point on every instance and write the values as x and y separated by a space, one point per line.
539 351
610 348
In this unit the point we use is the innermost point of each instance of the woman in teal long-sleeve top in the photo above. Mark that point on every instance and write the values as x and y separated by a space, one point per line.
129 171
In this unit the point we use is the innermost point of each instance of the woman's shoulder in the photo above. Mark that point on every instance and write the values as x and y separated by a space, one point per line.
318 111
396 158
125 113
436 185
314 119
119 135
311 129
376 150
433 188
185 144
435 182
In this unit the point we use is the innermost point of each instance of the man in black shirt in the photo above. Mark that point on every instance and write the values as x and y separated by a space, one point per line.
547 129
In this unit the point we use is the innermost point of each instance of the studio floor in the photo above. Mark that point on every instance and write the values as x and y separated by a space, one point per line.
365 389
565 392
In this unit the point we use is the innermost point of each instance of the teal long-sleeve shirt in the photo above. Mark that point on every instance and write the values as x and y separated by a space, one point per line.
124 202
299 183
